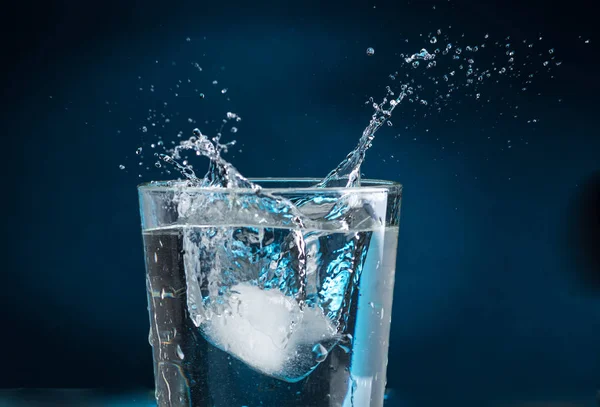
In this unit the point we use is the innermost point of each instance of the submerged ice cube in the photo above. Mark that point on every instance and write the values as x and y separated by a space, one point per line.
269 332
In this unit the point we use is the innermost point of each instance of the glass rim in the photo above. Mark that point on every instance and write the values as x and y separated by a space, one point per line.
377 185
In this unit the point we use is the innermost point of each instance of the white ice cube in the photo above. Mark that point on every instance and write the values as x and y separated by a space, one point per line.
268 331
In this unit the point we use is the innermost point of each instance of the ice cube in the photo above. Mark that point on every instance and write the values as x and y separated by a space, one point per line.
268 331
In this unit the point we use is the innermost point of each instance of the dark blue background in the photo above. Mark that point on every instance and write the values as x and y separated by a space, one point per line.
496 293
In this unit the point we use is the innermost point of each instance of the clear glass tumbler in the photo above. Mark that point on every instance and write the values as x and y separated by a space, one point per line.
274 297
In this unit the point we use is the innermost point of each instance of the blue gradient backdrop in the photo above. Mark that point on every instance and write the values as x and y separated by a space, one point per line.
496 291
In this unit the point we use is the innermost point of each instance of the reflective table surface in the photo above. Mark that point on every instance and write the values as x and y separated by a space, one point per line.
145 398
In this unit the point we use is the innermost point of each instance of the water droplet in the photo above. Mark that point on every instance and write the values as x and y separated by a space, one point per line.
319 352
180 352
370 51
121 167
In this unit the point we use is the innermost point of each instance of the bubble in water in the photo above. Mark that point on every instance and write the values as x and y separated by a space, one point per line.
433 40
201 95
152 145
423 102
370 51
551 51
234 129
144 129
319 352
157 164
121 167
587 41
214 82
415 64
188 39
138 151
546 63
224 90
